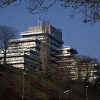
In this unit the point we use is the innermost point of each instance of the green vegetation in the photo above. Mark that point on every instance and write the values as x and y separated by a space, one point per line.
36 85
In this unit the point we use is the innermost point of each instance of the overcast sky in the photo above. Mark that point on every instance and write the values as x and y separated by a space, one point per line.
85 38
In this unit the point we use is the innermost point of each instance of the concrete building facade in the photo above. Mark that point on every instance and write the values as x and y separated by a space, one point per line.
24 52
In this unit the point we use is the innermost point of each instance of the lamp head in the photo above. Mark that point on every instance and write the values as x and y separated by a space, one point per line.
66 91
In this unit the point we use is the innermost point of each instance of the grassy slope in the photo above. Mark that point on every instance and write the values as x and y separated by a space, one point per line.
37 86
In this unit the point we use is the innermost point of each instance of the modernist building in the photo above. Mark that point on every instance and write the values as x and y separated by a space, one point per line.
67 62
24 52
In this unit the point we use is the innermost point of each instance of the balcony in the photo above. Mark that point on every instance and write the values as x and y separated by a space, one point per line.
23 39
68 49
15 62
64 55
15 50
12 54
65 48
66 61
26 33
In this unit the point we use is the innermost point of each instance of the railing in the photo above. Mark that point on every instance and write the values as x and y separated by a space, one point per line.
13 62
65 48
12 54
31 32
23 39
68 54
67 61
24 46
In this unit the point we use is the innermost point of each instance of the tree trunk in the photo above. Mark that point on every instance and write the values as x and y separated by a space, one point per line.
4 57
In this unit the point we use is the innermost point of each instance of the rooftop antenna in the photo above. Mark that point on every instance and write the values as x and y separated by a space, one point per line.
41 23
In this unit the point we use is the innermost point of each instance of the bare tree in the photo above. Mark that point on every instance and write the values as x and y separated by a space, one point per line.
45 48
89 8
6 33
86 68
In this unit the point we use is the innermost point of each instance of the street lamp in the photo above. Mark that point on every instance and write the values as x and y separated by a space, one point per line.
63 93
86 93
23 87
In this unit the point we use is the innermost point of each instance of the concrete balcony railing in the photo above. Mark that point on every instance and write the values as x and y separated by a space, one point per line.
31 32
65 48
23 39
12 54
66 61
67 54
14 62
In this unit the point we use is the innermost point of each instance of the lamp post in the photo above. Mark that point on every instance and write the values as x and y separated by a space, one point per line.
63 93
86 93
23 87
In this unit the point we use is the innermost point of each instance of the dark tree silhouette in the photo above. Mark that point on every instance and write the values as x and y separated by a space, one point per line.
45 48
6 33
89 8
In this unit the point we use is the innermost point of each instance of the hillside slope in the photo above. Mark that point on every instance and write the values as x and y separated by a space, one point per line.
36 85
